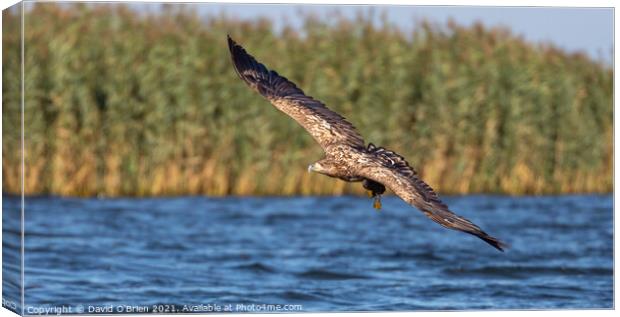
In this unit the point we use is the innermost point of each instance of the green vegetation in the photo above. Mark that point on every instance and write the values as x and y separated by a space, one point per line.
120 103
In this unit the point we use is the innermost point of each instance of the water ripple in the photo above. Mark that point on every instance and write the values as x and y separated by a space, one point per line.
327 253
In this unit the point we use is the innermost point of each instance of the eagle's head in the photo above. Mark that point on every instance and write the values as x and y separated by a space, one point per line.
322 167
314 167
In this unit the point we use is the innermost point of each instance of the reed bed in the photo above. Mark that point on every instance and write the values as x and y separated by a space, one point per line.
125 104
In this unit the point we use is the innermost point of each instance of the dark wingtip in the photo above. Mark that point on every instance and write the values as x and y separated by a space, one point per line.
231 42
233 47
256 75
494 242
240 59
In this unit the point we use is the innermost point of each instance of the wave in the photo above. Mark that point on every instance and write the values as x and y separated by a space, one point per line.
256 267
526 271
321 274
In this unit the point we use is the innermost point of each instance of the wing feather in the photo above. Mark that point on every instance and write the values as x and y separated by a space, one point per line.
393 171
326 127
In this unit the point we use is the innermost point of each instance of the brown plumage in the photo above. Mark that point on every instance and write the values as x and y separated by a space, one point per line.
346 156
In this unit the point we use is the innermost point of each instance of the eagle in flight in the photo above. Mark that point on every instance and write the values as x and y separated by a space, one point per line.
346 155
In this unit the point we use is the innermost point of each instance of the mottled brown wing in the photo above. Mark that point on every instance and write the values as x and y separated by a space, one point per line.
393 171
325 126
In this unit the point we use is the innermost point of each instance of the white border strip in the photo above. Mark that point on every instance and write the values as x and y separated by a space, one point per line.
489 3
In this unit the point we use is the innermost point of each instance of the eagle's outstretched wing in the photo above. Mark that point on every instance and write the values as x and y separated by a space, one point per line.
325 126
393 171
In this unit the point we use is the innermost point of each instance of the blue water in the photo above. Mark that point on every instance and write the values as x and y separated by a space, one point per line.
324 254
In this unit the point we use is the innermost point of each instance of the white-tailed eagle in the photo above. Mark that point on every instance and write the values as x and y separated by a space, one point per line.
346 155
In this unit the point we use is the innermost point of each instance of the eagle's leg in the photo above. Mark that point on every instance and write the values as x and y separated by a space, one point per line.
374 191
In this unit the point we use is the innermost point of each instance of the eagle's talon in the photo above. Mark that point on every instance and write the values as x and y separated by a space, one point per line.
377 203
370 193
